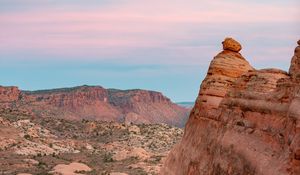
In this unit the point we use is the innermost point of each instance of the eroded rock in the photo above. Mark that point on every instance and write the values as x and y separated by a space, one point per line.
252 128
224 69
294 70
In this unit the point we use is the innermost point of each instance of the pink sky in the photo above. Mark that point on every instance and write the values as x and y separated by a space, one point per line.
118 28
159 38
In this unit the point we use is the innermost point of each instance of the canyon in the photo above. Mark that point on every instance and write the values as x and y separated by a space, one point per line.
245 121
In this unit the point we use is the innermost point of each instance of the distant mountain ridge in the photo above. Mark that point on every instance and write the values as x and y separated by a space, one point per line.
95 103
186 104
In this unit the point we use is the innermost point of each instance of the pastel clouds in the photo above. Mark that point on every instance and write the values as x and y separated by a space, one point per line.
164 45
115 28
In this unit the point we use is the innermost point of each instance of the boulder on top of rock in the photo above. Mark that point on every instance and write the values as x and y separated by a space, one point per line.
231 44
242 115
223 71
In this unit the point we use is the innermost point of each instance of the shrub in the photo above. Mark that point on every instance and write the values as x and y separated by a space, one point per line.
27 137
108 157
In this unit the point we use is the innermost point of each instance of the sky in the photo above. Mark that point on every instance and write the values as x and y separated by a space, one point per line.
161 45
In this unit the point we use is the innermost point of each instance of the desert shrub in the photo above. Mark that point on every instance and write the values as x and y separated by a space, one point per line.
39 155
53 154
42 165
26 136
108 157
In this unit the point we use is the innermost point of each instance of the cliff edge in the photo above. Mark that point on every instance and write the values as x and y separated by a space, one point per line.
245 121
94 103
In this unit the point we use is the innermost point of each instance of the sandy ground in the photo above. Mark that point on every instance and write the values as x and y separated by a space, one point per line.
70 169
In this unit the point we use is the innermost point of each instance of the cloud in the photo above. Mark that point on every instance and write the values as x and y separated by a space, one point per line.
139 31
160 45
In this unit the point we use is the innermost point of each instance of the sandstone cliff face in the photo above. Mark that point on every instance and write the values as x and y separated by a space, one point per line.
9 94
224 69
252 129
147 107
95 103
69 97
295 64
83 102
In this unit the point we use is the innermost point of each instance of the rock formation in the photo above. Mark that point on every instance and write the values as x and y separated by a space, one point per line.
245 121
295 64
224 69
9 94
95 103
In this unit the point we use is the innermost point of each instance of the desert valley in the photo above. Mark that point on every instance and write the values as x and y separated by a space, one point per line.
97 130
139 87
245 121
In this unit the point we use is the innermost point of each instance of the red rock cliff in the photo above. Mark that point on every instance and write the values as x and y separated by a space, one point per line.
95 103
9 94
245 121
140 106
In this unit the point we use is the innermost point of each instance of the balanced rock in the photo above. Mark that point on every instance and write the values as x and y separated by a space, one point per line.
223 71
231 44
245 121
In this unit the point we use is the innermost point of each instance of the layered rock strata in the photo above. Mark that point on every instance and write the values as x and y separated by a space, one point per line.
245 121
94 103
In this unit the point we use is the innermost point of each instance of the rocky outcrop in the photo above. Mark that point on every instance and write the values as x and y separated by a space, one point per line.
295 64
95 103
224 69
142 106
251 128
83 102
42 145
69 97
9 94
